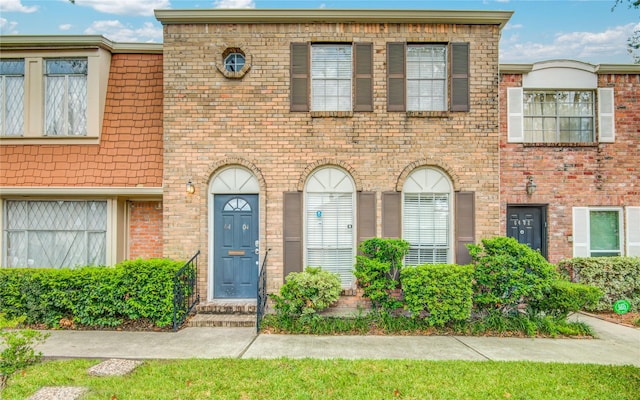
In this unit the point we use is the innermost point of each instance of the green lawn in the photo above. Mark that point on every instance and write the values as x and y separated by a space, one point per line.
337 379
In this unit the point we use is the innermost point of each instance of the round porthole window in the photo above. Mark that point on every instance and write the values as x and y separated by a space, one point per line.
234 62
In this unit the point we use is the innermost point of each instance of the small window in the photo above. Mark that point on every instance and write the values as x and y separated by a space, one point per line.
66 97
11 97
234 62
559 116
604 233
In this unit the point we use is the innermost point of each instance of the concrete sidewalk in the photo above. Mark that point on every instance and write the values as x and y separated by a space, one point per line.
616 344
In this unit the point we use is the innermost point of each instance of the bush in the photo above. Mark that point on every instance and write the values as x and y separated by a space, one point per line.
617 277
443 291
508 275
305 293
566 297
91 296
17 348
378 270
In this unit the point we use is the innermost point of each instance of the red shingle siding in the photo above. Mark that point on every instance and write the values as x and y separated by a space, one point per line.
145 229
130 150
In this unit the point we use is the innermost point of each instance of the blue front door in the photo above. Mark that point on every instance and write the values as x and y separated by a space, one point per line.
235 258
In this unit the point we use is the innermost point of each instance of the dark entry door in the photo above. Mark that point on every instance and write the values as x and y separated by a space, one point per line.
235 260
527 224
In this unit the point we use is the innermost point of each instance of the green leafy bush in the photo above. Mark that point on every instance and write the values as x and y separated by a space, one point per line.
444 292
378 270
91 296
508 275
305 293
17 347
566 297
617 277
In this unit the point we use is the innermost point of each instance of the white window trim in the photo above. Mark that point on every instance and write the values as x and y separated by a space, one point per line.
99 62
581 217
447 68
342 190
633 231
409 188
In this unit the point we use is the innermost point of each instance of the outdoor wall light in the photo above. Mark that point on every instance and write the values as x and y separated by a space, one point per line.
531 185
191 189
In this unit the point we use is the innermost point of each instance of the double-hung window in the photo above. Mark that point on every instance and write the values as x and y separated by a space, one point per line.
559 116
428 77
66 97
54 234
11 97
331 77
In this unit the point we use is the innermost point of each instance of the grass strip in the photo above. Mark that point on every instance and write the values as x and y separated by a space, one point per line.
336 379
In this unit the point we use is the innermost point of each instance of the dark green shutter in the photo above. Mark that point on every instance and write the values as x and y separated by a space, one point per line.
366 215
391 214
299 77
363 77
460 77
292 232
396 85
465 225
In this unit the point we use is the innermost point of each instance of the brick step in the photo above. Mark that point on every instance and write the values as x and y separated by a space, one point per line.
222 320
228 307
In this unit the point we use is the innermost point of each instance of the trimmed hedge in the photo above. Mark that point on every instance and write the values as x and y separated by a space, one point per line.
566 297
91 296
444 292
307 292
617 277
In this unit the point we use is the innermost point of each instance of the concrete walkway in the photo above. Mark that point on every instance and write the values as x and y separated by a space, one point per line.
616 344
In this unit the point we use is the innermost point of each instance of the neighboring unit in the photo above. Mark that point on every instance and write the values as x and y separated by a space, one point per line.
569 157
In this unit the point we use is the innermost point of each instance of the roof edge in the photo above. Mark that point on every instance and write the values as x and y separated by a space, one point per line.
80 191
60 42
203 16
595 68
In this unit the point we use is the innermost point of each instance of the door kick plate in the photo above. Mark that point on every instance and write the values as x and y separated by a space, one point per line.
236 253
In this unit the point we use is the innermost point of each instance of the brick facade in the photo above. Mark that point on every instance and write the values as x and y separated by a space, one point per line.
145 229
211 121
598 174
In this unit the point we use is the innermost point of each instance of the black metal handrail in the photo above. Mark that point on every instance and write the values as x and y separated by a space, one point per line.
262 292
185 291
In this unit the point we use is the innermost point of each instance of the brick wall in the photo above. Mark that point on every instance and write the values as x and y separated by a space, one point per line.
606 174
130 149
211 121
145 229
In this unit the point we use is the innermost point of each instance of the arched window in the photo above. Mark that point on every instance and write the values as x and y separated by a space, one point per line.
427 217
329 222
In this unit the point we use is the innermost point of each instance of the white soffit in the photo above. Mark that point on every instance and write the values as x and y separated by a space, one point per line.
561 74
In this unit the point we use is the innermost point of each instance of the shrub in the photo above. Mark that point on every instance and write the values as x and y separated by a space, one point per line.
566 297
305 293
508 274
17 348
91 296
617 277
443 291
378 270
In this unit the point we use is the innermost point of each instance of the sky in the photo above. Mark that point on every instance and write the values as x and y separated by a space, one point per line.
592 31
